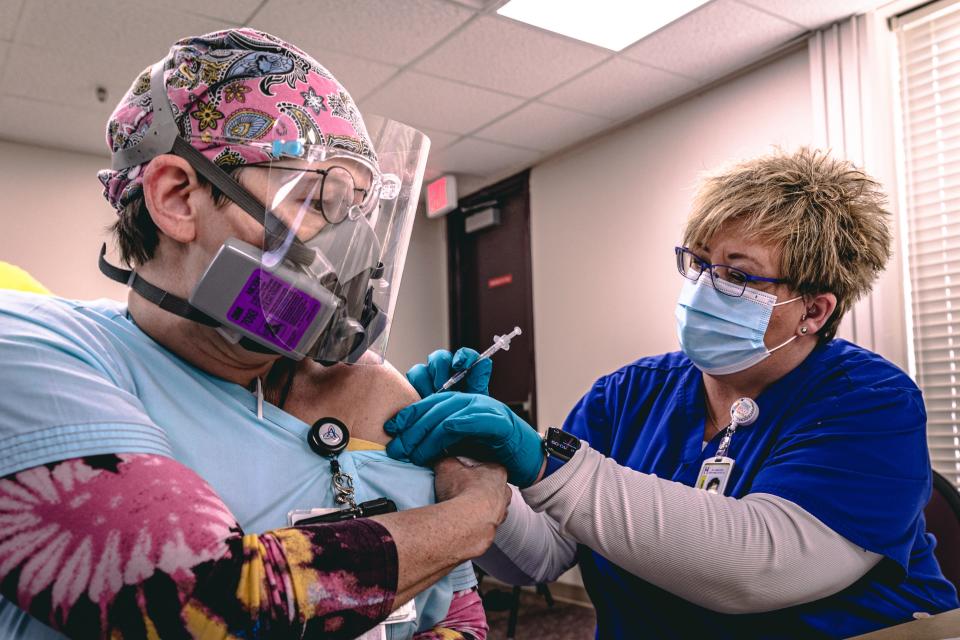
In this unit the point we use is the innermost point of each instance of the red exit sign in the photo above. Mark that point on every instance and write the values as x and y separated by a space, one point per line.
441 196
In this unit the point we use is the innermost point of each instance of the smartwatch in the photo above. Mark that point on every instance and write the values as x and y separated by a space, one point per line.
559 447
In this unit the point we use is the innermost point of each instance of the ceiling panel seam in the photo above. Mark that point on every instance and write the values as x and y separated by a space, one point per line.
13 39
770 13
256 11
424 54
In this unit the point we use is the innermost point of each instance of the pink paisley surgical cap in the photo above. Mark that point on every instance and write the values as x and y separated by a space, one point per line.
231 87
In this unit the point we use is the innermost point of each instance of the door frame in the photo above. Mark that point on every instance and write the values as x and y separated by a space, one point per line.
461 307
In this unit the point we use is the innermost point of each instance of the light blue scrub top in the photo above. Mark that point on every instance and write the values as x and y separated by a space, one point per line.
118 391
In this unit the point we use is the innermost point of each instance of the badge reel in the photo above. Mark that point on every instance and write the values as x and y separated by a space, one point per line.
328 437
716 470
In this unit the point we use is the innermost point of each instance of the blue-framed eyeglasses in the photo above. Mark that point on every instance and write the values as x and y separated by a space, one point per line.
726 279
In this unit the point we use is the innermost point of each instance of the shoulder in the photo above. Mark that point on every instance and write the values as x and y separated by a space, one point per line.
374 393
850 368
647 374
633 389
93 335
393 391
842 383
30 314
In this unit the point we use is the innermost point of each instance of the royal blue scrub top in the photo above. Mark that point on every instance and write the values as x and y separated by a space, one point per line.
843 436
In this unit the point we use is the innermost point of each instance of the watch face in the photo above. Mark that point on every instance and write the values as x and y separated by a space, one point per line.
561 444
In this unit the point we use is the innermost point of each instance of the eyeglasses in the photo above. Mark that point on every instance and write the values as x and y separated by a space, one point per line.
338 192
727 280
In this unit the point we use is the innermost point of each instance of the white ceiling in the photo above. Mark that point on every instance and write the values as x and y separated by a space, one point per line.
494 95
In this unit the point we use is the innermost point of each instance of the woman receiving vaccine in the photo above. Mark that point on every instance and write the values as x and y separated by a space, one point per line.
766 481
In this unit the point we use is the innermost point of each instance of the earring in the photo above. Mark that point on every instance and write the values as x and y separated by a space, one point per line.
803 330
803 317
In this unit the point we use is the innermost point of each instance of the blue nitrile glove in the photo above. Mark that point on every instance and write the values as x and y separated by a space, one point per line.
428 378
467 424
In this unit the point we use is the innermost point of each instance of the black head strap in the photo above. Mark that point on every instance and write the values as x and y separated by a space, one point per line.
275 228
163 299
166 300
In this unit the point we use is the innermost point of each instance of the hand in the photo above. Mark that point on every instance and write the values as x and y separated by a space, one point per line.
485 484
466 424
441 365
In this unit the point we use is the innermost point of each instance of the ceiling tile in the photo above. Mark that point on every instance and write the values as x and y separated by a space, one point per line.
234 11
32 122
425 101
813 14
619 89
480 158
9 12
67 80
543 127
359 76
476 4
391 32
700 45
108 36
439 139
501 54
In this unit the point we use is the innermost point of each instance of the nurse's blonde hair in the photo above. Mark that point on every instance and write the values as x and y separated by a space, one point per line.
827 218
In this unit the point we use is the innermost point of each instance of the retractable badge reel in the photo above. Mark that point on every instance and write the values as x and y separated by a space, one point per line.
328 437
716 470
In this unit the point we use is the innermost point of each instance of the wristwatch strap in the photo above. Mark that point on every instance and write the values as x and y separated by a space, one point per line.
553 463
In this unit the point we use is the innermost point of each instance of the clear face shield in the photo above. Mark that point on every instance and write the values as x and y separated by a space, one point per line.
336 229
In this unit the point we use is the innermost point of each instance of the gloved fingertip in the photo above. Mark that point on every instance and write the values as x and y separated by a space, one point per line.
397 424
416 371
439 357
419 379
463 358
396 450
390 427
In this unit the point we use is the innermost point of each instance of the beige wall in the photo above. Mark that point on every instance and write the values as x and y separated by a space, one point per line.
605 219
53 220
421 317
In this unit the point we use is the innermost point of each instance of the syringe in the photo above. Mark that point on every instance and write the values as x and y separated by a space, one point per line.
499 342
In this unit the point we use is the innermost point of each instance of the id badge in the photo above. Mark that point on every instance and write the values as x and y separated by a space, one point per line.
295 516
714 474
404 613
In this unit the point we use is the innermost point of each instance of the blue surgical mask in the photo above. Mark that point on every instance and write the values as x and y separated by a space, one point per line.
722 334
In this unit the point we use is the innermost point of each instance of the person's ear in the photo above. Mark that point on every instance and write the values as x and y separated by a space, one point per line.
170 187
818 310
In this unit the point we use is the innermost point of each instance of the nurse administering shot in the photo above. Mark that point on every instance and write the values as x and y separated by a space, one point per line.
768 480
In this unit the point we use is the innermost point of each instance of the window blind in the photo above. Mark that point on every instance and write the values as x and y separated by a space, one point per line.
929 59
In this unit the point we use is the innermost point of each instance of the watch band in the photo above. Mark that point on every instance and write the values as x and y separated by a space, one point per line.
553 463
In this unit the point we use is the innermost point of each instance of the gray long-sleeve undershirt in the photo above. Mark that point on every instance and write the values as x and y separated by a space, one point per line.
747 555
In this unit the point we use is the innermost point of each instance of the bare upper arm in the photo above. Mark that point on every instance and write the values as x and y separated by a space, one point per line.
362 396
367 395
381 392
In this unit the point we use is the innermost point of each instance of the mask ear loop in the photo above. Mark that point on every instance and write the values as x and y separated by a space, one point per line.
803 328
